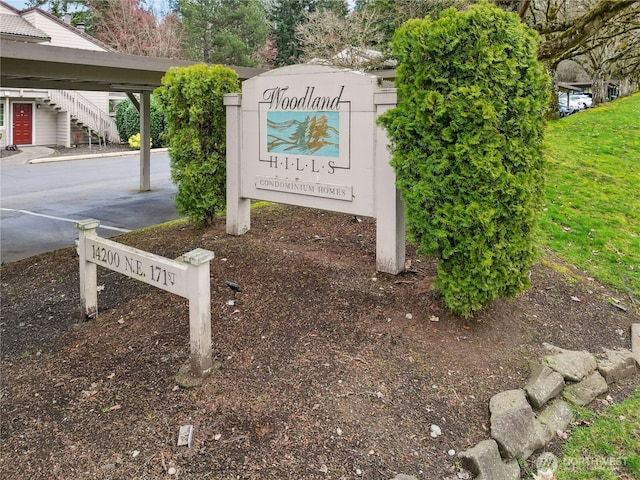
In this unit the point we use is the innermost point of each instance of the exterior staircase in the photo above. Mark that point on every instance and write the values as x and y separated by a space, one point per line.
89 117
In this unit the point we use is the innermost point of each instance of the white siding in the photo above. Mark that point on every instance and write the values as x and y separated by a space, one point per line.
6 10
63 129
61 35
99 99
45 127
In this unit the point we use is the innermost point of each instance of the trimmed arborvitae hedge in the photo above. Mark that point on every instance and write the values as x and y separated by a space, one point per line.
128 121
466 139
192 101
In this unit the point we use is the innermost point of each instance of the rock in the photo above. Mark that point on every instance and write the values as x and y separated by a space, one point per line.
435 430
543 385
635 341
616 365
484 461
572 365
514 426
584 392
556 417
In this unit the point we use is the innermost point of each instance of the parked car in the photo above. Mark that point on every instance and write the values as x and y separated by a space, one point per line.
564 110
568 107
584 101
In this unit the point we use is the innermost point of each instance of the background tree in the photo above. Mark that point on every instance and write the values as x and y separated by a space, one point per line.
285 16
128 27
467 135
191 100
347 41
611 52
397 12
339 7
567 24
267 54
223 31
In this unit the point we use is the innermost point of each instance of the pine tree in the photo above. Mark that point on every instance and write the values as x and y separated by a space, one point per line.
223 31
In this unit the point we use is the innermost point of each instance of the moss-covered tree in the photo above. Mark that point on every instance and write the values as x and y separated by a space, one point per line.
191 99
466 137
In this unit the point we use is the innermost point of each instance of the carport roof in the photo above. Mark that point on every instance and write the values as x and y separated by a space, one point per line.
27 65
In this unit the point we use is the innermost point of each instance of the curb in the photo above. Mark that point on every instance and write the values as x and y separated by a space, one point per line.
93 155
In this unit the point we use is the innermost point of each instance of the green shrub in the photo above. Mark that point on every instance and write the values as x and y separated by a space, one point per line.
466 138
134 141
191 99
128 121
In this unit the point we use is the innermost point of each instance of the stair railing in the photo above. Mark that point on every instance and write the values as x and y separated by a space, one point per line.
96 120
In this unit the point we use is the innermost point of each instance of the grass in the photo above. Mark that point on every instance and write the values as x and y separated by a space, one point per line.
592 212
607 447
592 220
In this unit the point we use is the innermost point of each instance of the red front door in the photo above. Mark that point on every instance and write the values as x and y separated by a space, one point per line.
22 123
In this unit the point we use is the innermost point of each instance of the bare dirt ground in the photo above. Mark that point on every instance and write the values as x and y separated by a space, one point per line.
327 369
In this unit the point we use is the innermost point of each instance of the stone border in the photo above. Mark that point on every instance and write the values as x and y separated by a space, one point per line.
518 431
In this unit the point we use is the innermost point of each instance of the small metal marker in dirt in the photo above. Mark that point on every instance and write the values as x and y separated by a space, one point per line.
185 436
188 279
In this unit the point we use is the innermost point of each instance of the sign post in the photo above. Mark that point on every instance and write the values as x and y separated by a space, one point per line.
188 279
88 270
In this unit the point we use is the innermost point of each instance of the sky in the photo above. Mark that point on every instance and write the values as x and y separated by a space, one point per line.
19 4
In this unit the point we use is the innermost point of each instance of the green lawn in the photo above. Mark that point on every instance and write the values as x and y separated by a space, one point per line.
592 210
592 220
606 446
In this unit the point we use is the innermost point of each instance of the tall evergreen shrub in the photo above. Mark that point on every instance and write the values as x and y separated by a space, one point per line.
128 122
466 138
191 99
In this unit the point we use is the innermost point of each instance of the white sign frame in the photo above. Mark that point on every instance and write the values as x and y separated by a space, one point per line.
189 279
306 135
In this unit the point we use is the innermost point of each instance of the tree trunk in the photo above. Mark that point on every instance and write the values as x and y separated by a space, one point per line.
552 105
598 87
624 87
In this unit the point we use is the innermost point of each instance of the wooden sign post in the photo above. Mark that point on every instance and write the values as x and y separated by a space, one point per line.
188 279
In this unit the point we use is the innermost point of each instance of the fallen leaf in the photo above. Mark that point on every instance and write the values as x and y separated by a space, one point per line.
115 407
575 299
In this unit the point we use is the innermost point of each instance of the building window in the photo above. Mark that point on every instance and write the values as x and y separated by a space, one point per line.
1 115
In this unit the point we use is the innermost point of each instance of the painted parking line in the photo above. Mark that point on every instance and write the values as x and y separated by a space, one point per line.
51 217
